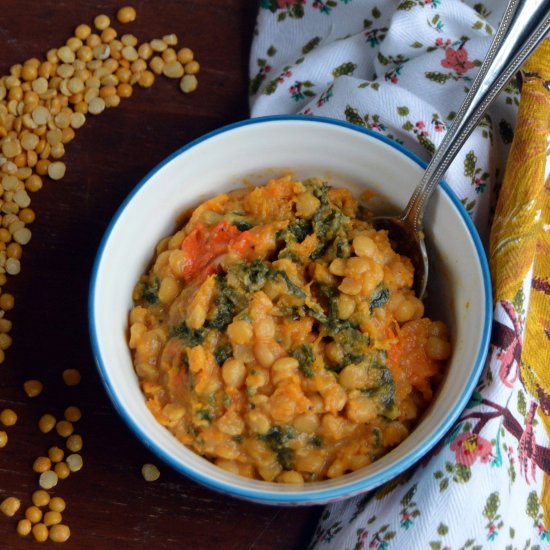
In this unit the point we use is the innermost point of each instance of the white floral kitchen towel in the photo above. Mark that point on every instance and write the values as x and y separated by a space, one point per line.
402 68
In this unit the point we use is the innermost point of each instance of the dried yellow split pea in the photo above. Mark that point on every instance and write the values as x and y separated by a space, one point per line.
33 388
9 506
71 377
126 14
8 417
150 472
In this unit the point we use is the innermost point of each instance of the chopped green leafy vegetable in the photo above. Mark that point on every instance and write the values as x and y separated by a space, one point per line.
315 441
191 337
205 414
227 303
242 225
305 356
379 298
251 275
292 287
384 392
296 231
343 248
222 353
150 291
276 438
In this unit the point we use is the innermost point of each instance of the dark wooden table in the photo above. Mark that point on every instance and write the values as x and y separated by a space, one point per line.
109 505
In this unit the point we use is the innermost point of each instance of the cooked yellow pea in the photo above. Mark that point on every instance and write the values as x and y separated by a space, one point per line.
233 372
306 205
438 328
240 332
283 368
292 477
364 246
405 311
335 398
437 348
362 409
356 266
258 422
264 329
307 423
346 306
350 286
169 289
338 267
264 354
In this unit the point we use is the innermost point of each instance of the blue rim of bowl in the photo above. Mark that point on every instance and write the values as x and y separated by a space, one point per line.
266 495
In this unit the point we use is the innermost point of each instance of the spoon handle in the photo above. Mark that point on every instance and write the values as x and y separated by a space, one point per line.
523 26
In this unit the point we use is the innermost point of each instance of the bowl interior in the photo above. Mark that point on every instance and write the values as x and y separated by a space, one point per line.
253 152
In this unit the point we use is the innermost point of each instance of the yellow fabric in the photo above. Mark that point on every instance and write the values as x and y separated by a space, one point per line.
520 237
516 228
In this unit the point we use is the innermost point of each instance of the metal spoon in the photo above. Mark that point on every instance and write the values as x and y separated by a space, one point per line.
523 26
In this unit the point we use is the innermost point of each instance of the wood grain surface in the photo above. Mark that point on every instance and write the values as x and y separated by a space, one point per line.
109 505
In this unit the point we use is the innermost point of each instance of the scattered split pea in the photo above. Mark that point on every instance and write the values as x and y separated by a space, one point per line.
42 103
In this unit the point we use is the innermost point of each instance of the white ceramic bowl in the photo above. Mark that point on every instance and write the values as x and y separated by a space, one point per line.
254 151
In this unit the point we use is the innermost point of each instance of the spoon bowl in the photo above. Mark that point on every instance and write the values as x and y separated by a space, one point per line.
410 243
